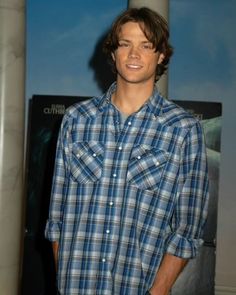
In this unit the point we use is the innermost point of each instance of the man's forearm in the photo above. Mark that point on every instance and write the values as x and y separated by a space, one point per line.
55 246
167 274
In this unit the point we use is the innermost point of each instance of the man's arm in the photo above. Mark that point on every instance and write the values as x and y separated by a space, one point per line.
54 222
189 215
55 246
167 274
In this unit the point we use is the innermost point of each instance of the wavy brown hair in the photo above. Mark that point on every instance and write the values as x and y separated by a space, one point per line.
154 27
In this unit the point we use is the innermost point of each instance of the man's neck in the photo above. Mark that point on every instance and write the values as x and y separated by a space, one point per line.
129 98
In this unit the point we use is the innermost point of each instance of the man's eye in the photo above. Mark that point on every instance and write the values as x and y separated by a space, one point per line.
147 46
123 44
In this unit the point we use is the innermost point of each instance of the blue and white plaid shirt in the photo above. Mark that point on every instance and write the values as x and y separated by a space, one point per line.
122 197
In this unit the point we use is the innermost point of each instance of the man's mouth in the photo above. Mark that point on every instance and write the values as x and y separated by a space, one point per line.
134 66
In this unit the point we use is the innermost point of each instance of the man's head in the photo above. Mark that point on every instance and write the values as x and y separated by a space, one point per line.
154 27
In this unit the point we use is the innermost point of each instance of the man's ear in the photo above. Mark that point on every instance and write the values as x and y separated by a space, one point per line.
113 56
161 58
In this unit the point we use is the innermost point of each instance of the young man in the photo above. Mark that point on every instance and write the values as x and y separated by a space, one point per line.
130 187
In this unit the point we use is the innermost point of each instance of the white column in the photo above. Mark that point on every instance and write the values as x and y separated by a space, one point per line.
162 7
12 100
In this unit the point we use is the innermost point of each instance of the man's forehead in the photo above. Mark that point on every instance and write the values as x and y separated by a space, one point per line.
124 28
131 28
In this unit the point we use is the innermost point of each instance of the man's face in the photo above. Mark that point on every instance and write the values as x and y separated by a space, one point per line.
135 57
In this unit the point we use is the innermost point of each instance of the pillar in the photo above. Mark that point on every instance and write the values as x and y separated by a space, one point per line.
162 7
12 100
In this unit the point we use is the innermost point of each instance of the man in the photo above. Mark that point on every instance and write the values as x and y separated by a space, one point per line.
130 187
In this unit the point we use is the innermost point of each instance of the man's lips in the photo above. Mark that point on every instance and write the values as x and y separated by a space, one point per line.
134 66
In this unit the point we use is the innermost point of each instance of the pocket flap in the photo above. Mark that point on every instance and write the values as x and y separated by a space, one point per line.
92 147
143 151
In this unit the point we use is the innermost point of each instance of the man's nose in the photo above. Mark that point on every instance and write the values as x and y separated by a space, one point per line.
134 52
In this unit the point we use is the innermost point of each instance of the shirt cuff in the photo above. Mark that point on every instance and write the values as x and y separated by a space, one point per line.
183 247
53 230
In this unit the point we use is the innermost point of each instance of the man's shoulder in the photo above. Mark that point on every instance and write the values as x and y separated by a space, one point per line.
85 108
175 115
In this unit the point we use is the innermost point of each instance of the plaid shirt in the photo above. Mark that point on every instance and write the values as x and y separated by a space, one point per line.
122 197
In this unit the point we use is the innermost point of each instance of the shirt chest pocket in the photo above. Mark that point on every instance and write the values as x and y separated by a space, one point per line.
87 161
146 167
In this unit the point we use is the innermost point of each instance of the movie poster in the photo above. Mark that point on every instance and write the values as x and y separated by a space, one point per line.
45 115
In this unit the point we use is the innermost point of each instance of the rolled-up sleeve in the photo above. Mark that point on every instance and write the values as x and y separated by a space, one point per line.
192 201
53 230
59 186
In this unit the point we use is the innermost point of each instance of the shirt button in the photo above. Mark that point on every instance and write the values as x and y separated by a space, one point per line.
129 123
94 155
114 175
139 157
107 231
120 148
111 203
157 163
103 260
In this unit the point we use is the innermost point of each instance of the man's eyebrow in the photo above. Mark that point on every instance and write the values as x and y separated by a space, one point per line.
127 40
123 39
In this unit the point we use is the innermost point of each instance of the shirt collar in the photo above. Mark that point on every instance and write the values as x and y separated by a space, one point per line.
153 104
106 97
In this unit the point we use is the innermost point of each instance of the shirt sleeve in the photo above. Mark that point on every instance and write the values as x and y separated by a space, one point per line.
192 201
59 185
